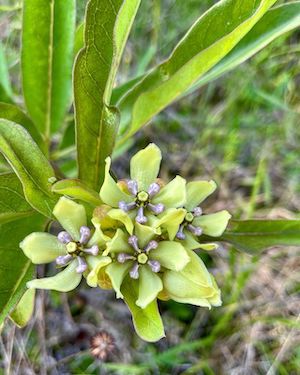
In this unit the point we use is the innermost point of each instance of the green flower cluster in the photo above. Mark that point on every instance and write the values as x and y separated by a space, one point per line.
140 243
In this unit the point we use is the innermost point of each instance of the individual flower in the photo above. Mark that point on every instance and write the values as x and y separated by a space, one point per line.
76 248
142 257
195 223
143 194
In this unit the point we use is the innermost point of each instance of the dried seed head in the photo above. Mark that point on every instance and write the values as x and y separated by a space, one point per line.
102 345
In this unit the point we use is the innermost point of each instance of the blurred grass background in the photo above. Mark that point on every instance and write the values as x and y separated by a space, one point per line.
242 131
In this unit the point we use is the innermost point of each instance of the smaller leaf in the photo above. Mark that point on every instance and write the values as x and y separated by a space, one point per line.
147 322
29 164
24 309
78 190
253 236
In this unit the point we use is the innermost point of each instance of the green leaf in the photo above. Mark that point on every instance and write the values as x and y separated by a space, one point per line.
147 322
107 26
15 268
78 190
47 58
79 39
274 23
13 204
29 164
6 93
13 113
211 38
253 236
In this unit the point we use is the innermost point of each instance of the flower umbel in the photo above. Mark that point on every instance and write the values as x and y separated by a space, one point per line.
140 243
76 248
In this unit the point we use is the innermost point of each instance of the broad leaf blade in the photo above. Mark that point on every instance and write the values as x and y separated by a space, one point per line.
15 114
211 38
29 164
15 269
253 236
13 204
106 30
47 58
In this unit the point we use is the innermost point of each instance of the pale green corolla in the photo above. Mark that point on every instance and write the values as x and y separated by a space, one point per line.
77 248
143 195
153 262
195 223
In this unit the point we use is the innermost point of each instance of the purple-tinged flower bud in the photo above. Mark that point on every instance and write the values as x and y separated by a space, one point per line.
85 235
63 260
197 211
153 189
64 237
154 265
151 246
141 218
180 235
94 250
197 231
132 187
156 208
134 272
123 257
126 206
82 266
134 242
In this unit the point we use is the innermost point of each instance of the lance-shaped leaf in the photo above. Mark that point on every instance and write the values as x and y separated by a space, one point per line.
29 164
13 204
15 269
276 22
253 236
6 93
15 114
107 26
211 38
47 58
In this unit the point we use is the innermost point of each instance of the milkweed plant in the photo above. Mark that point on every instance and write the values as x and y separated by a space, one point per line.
61 203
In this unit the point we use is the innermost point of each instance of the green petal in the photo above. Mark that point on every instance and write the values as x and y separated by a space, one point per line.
118 244
71 216
95 264
191 243
213 224
197 191
150 285
170 255
144 234
64 281
172 195
98 237
24 309
110 193
117 273
216 299
42 247
147 322
193 284
144 166
196 271
170 220
123 217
